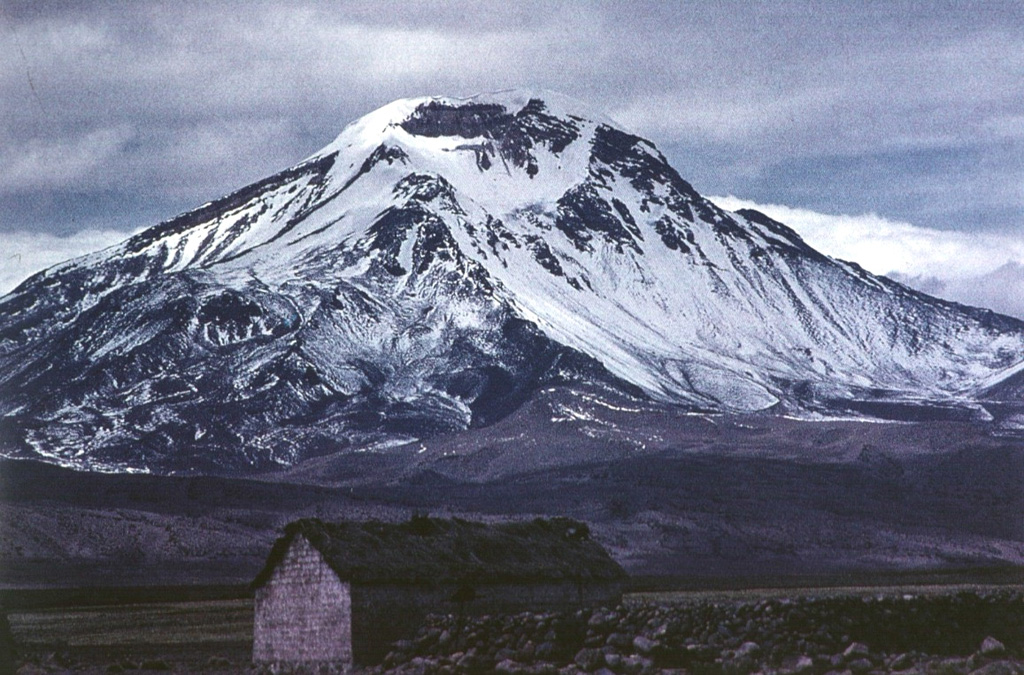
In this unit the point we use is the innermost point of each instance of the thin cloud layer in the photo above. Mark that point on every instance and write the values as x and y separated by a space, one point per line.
1001 290
983 270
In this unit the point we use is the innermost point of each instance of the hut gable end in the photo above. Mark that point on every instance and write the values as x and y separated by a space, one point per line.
303 610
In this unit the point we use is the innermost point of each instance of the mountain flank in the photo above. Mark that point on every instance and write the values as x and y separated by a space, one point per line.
439 265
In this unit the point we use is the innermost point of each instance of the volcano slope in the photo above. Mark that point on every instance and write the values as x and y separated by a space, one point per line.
435 266
504 305
724 499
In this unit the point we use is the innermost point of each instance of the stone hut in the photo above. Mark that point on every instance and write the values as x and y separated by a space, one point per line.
334 594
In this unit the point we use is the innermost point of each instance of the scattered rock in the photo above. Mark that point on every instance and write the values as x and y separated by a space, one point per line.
636 664
505 654
470 661
644 645
999 668
620 640
992 647
952 666
856 650
545 651
508 667
589 659
800 663
795 637
900 662
860 665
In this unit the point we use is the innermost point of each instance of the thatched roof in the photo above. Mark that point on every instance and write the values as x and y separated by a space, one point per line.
434 550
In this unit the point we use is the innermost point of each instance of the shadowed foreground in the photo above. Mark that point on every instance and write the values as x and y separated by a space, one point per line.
952 630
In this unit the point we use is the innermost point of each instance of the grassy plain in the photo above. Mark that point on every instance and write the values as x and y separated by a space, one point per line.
184 636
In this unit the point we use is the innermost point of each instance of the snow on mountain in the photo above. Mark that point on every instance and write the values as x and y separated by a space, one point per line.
428 271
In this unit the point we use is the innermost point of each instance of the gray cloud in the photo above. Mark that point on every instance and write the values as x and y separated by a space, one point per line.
116 115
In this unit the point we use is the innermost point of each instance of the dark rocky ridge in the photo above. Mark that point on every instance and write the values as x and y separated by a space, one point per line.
708 500
513 136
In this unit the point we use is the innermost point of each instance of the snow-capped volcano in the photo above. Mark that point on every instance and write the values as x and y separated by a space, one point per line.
427 271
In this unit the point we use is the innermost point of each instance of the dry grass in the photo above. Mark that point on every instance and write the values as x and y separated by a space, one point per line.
810 592
183 635
170 623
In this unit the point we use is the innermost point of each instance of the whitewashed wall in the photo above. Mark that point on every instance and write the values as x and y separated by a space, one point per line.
303 612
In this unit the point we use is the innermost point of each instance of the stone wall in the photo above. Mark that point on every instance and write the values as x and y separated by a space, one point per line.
303 612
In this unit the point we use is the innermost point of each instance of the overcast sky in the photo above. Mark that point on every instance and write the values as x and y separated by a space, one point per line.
115 116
